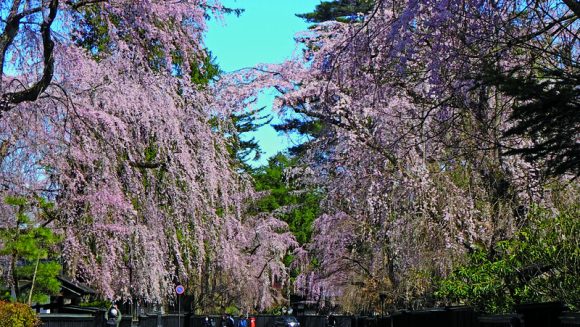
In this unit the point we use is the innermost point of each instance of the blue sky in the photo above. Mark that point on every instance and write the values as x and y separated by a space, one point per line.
262 34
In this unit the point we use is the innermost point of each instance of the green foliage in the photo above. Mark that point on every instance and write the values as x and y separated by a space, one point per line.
540 263
150 152
232 310
204 72
30 248
45 283
156 55
310 129
235 128
93 32
547 112
298 207
340 10
241 148
17 315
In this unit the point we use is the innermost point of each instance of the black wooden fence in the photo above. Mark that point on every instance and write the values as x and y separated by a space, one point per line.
533 315
68 320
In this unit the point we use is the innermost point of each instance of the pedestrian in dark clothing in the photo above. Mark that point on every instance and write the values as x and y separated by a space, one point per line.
207 322
230 321
242 322
113 316
227 321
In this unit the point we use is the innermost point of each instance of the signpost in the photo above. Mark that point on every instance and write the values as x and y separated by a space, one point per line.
179 289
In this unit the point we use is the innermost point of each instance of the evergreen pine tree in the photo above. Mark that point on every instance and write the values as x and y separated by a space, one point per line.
29 245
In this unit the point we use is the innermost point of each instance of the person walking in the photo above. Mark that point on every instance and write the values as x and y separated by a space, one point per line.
208 322
242 321
113 316
225 321
230 321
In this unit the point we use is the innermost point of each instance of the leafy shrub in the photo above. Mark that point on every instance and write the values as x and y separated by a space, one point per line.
17 315
539 263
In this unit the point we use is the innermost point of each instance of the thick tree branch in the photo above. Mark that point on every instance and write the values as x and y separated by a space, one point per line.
10 99
10 32
264 268
574 5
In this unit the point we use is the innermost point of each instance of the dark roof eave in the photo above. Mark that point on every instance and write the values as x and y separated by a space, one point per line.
75 287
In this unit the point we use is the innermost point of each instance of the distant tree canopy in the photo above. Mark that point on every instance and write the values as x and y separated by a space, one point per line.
284 197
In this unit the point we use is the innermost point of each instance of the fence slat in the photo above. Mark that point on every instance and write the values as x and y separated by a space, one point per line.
509 320
541 314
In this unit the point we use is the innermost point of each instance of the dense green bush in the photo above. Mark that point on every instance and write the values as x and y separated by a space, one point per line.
541 262
17 315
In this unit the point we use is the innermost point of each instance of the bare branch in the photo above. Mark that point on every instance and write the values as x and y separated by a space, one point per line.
10 32
8 100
